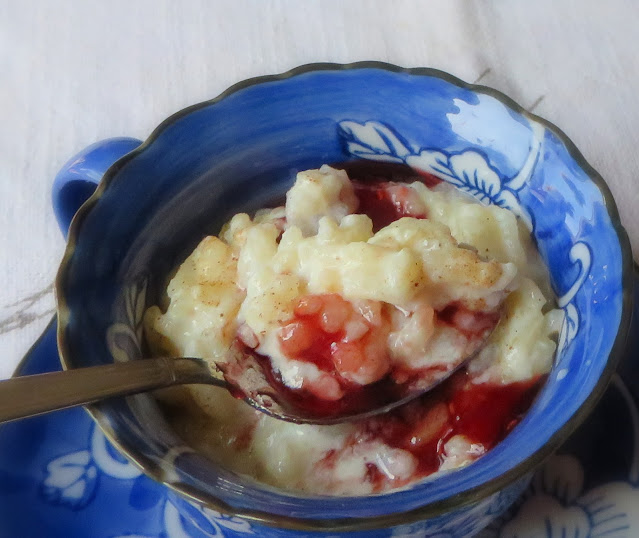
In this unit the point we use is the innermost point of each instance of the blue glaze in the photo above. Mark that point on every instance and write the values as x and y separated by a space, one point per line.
600 460
81 174
242 152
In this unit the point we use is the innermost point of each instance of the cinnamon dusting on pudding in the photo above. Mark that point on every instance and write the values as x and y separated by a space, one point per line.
365 278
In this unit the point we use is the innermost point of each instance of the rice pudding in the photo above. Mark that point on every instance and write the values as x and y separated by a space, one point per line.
354 284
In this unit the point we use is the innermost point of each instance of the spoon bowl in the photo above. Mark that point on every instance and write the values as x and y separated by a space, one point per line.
242 374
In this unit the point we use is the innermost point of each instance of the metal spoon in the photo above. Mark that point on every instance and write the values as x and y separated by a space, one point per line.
242 374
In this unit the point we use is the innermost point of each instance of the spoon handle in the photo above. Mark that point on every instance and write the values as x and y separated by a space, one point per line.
26 396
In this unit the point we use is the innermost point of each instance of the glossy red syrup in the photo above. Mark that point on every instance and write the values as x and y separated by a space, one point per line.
483 413
375 172
357 399
356 363
382 191
385 202
306 338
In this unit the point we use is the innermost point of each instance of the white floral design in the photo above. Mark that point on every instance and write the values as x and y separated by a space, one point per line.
235 524
579 253
209 521
557 505
124 336
110 465
71 480
565 510
468 170
173 526
464 522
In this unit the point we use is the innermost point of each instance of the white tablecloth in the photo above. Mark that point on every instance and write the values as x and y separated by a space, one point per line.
74 72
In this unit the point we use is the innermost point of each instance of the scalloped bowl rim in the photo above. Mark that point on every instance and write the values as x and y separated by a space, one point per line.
431 509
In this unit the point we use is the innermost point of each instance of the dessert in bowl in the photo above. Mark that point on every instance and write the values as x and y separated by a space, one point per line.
349 294
240 153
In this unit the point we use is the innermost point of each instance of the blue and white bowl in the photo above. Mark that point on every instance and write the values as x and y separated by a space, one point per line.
239 152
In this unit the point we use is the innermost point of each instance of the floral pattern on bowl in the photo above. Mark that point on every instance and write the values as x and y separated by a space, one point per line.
470 172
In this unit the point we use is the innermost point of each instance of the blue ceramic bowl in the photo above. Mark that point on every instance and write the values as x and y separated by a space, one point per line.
239 152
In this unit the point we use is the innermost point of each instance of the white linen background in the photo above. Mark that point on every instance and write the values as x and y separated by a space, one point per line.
74 72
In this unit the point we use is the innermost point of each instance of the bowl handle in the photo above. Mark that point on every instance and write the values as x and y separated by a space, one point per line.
80 175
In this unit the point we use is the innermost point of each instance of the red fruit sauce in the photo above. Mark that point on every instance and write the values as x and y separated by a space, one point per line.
382 193
484 413
385 203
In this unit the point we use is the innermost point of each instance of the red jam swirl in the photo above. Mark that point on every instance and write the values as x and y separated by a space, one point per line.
349 344
320 332
386 202
483 413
